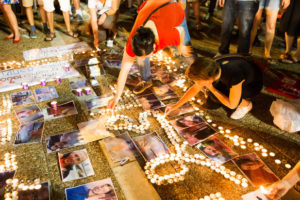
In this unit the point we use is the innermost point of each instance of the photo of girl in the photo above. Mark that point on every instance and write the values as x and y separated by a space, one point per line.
100 190
75 165
186 108
255 169
186 122
216 150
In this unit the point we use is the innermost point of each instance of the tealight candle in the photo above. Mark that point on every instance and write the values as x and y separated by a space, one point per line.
25 86
43 82
54 105
58 80
277 161
79 92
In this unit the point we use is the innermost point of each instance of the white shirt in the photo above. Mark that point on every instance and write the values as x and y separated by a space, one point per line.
100 8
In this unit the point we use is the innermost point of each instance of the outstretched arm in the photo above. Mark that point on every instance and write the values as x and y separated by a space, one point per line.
127 62
94 25
187 96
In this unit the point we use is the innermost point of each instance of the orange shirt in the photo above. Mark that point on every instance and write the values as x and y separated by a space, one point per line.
166 19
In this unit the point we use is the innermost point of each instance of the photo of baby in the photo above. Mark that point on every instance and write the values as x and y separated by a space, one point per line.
98 190
30 133
22 98
255 169
75 165
216 150
45 93
151 146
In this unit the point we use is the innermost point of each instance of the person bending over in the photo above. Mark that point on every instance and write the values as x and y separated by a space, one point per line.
233 80
103 16
161 29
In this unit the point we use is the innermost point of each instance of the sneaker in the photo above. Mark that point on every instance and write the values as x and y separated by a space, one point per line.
32 34
142 86
78 18
240 112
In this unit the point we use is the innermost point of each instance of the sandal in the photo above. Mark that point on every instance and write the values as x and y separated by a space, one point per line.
287 58
271 61
73 35
50 37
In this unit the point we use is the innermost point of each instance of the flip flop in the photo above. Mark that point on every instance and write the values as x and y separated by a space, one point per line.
73 35
49 38
287 58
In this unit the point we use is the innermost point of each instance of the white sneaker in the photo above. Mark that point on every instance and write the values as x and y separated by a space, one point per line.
240 112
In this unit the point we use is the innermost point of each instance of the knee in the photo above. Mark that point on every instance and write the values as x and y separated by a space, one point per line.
270 28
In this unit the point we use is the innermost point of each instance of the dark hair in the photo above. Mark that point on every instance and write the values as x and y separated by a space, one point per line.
142 41
203 69
52 140
241 161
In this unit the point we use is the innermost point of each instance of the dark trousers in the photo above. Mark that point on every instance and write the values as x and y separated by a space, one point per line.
212 5
245 11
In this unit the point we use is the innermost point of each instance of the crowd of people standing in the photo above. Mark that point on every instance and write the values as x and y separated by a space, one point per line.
103 15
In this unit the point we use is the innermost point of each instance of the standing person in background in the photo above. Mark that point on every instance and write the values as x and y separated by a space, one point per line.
78 11
65 7
196 9
243 10
271 7
11 19
104 15
29 13
211 8
290 25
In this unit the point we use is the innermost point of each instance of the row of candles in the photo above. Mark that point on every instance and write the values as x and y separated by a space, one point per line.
10 162
128 123
5 131
237 140
181 156
6 105
14 186
213 196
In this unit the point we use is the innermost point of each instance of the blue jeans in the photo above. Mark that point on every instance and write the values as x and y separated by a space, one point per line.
245 11
144 68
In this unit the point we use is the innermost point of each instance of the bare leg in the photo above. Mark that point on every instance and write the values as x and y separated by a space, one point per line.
12 20
244 103
43 14
77 4
297 54
50 22
67 21
11 36
29 14
289 43
270 30
196 9
255 25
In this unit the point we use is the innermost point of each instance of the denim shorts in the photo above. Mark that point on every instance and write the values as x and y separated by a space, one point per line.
269 4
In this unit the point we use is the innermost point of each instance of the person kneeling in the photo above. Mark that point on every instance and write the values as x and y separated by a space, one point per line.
103 16
233 80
